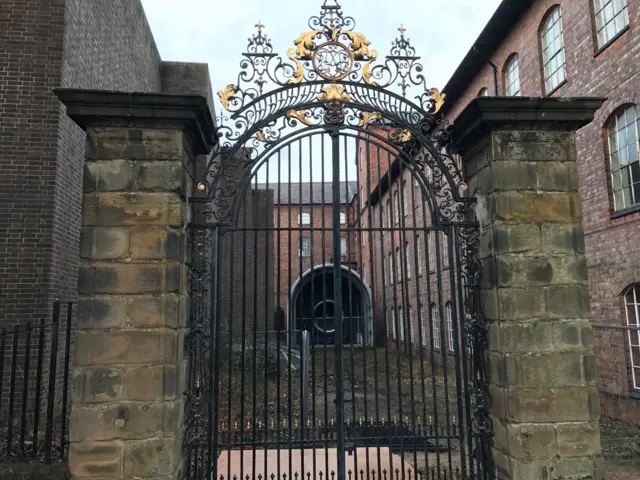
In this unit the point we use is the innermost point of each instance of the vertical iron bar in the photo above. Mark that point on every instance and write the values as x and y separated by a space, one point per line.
254 307
337 291
48 438
12 389
25 388
324 316
65 380
313 317
280 327
3 338
268 275
290 318
214 357
36 407
230 423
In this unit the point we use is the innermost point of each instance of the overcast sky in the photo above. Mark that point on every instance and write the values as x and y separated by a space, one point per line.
216 32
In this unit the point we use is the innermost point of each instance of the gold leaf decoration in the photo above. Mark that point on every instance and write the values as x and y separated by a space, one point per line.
438 98
260 136
359 45
404 136
304 44
227 94
335 31
300 115
298 74
367 74
334 93
366 117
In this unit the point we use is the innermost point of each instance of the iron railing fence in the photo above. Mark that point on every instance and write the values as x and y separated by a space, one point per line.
34 388
617 361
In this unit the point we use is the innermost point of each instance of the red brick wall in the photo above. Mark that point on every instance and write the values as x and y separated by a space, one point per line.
612 245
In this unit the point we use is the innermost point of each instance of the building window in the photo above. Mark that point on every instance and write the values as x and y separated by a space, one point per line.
432 251
304 219
407 197
422 320
390 274
407 259
435 331
484 92
343 246
552 49
623 136
364 272
512 76
396 206
632 306
410 317
305 247
402 324
389 214
398 265
612 17
445 250
393 323
449 314
343 219
419 254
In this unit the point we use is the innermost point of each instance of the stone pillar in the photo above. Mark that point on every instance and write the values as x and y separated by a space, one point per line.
127 417
520 162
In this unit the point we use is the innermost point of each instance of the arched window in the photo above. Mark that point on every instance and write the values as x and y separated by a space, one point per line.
419 254
390 271
410 318
396 207
435 331
304 219
484 92
343 218
407 259
449 316
622 133
422 321
401 326
612 17
552 42
389 214
512 77
432 251
305 247
632 310
398 265
445 250
343 246
393 323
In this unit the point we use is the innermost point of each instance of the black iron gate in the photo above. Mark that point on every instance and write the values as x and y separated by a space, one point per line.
335 328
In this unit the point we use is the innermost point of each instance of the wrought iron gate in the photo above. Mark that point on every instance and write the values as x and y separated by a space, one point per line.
335 327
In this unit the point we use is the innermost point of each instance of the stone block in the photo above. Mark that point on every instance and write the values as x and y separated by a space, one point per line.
533 146
567 301
152 458
517 238
518 271
535 207
127 347
510 176
110 176
124 278
545 370
561 238
126 421
98 460
548 404
531 441
160 176
101 312
521 303
541 336
134 144
153 382
578 439
557 177
149 243
554 469
153 311
131 209
99 384
497 369
100 243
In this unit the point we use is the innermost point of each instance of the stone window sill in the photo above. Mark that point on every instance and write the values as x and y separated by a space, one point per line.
635 394
626 211
608 44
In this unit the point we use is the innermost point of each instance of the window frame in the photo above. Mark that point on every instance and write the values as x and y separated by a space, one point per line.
634 363
423 327
448 308
484 92
546 28
398 265
343 218
599 48
407 259
621 111
302 216
301 246
433 263
343 247
435 327
507 71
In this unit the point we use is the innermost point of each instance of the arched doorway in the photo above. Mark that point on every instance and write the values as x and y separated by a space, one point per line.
312 309
321 163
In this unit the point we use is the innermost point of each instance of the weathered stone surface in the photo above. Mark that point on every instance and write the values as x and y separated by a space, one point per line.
554 469
547 404
533 147
518 271
521 238
129 209
578 439
134 144
545 370
153 311
101 312
34 471
126 421
96 459
534 207
539 337
151 383
99 243
149 243
110 176
127 347
521 303
514 175
531 441
160 176
127 278
557 177
561 238
567 301
152 458
99 384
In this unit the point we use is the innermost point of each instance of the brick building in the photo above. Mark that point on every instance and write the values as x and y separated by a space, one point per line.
582 48
102 44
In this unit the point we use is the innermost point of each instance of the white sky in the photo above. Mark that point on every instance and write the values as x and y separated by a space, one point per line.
216 32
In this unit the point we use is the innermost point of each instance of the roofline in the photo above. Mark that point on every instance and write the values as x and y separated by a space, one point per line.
506 16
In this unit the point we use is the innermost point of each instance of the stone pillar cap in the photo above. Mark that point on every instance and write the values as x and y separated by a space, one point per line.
189 113
485 114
